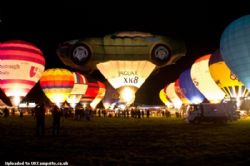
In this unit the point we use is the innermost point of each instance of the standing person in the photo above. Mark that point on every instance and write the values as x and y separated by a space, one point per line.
56 114
148 113
6 112
40 119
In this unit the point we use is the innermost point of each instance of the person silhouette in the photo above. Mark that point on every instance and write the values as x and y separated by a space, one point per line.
40 119
56 115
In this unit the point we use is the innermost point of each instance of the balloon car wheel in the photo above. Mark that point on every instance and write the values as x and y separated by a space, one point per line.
160 54
81 54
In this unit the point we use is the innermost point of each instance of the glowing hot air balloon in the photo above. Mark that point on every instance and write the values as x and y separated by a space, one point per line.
126 59
203 80
57 84
226 79
79 88
188 88
170 91
100 95
180 93
111 96
164 98
235 48
91 92
126 76
86 53
21 65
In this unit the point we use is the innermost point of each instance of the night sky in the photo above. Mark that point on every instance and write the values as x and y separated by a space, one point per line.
199 24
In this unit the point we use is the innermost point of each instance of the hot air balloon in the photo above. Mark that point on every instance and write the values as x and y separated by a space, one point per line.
180 92
57 84
85 54
91 92
170 91
100 95
111 96
125 59
188 88
79 88
164 98
235 46
126 76
203 80
226 79
22 65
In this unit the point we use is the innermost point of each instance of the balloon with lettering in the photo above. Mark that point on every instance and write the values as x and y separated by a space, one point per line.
21 66
126 76
79 88
235 48
126 59
203 80
100 95
226 79
57 84
188 88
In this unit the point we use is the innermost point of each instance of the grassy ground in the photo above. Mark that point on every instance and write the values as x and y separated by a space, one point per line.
113 141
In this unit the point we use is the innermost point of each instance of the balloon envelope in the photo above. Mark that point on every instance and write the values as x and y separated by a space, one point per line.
57 84
180 92
225 78
111 96
100 95
91 92
170 90
85 54
22 65
79 88
189 89
235 46
202 79
164 98
126 76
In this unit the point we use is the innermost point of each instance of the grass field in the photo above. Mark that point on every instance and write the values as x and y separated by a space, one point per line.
117 141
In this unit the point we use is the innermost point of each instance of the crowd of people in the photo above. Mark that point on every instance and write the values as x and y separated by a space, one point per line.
79 113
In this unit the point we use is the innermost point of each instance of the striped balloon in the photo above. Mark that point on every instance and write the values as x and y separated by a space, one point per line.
188 88
100 95
171 94
180 92
21 66
79 89
57 84
164 98
91 92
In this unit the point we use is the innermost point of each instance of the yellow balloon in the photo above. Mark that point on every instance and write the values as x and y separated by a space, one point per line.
163 97
225 79
57 84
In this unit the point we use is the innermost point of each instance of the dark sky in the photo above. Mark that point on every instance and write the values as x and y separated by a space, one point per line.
199 24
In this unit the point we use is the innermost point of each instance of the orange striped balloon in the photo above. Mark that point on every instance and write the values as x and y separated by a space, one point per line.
57 84
91 92
21 66
100 95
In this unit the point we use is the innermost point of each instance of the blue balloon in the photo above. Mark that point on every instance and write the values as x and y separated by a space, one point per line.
188 88
235 48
